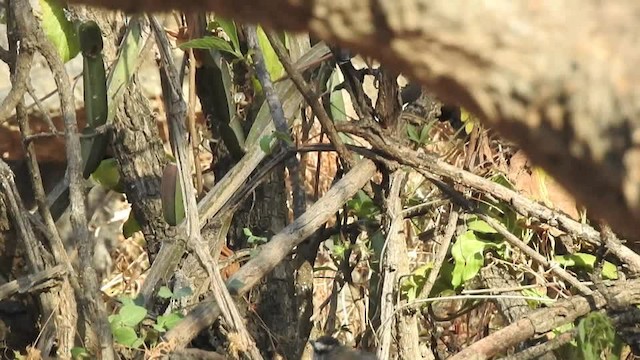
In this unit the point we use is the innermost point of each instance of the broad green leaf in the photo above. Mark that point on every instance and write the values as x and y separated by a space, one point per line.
587 262
171 320
275 68
59 29
126 336
107 175
230 29
165 293
481 226
132 315
468 255
210 43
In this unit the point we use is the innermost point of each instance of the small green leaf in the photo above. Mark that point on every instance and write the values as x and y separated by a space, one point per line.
208 43
132 315
424 134
126 300
265 144
275 68
413 133
79 353
107 175
59 29
115 319
165 293
171 320
125 335
171 195
468 127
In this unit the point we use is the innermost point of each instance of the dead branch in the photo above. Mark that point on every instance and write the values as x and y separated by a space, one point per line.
544 320
394 267
34 282
279 246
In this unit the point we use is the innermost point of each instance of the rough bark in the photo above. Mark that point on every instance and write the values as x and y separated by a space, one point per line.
563 88
141 159
136 145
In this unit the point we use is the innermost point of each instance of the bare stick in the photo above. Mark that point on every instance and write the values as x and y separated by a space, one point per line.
312 99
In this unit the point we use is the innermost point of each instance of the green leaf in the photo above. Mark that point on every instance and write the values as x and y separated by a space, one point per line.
115 319
165 293
468 255
129 58
597 337
107 175
424 134
79 353
275 68
265 144
412 285
413 133
126 300
58 29
336 99
229 28
131 226
171 320
587 262
171 195
132 315
125 335
481 226
210 43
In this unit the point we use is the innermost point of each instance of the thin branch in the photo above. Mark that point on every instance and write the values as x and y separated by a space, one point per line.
22 67
443 242
279 121
41 108
312 99
94 307
68 305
